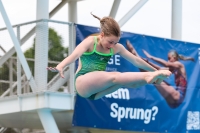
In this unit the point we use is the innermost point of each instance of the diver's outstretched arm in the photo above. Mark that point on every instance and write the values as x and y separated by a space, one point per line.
159 60
131 49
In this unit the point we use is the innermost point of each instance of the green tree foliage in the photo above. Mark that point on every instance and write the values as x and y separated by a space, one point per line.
56 51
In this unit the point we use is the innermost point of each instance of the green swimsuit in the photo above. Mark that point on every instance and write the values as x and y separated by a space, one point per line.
93 61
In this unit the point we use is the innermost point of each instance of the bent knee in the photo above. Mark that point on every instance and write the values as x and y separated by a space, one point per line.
176 96
175 99
115 77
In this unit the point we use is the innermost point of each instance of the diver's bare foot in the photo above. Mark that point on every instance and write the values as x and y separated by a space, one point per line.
157 76
130 48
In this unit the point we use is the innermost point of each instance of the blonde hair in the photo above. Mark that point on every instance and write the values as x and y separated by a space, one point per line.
108 26
179 56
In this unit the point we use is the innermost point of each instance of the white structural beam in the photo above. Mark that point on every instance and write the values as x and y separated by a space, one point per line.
131 12
114 8
41 46
72 17
18 48
176 26
3 129
72 11
72 65
48 121
41 62
2 49
36 101
57 81
19 71
57 8
11 75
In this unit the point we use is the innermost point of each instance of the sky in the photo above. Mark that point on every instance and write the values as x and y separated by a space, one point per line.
153 19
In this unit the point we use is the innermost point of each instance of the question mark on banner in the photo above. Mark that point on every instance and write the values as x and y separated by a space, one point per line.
155 109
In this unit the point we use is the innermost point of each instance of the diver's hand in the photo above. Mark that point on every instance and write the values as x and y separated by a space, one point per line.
56 69
147 54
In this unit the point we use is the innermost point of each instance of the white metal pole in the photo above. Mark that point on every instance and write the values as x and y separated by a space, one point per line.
72 66
17 47
72 11
72 17
11 75
41 46
41 62
48 121
176 26
114 8
130 13
19 85
57 8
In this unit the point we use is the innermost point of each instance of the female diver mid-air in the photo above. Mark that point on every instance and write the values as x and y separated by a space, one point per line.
91 80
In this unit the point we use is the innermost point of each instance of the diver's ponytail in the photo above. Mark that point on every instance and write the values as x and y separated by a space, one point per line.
95 16
108 26
181 57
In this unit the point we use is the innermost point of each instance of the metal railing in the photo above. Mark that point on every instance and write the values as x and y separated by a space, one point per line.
13 80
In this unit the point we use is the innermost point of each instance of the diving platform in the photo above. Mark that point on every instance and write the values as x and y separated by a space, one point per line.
21 111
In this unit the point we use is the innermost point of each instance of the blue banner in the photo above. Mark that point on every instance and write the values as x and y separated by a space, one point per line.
144 108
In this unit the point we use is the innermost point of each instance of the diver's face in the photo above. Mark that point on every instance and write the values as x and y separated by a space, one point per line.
109 41
171 57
